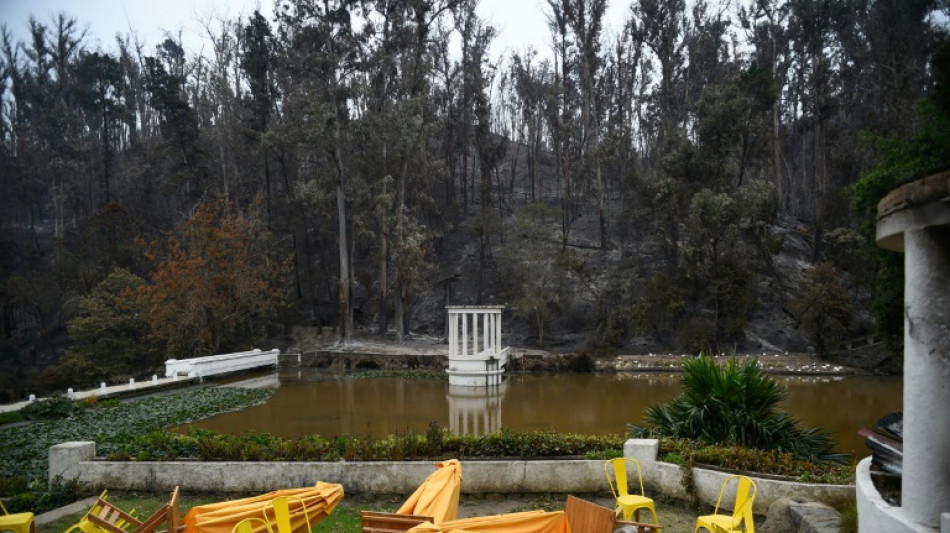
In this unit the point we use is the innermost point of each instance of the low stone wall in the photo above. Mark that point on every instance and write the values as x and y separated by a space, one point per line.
668 479
76 461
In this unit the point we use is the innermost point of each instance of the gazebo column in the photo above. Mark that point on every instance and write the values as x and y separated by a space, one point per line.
915 219
474 333
925 485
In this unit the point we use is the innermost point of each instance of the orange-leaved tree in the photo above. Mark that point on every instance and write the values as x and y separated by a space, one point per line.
218 283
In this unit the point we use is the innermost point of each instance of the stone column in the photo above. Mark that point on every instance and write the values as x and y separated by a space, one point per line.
925 487
915 219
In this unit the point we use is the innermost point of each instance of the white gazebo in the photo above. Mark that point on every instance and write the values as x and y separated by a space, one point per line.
476 358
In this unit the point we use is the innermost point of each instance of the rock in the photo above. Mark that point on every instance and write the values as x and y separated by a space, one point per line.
778 519
814 517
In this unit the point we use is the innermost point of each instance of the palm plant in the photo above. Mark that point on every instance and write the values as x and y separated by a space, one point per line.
735 404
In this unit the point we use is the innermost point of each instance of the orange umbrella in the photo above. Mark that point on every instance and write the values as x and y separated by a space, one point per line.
319 501
438 496
526 522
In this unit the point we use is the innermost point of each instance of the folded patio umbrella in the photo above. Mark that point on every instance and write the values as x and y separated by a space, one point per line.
438 495
221 517
525 522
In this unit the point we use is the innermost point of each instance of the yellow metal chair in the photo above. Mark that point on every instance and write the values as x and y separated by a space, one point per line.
741 518
17 522
280 506
247 525
630 504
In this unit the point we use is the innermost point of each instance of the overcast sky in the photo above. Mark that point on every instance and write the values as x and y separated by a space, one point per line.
520 22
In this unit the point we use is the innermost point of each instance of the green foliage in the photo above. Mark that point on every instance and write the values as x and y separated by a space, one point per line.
736 458
737 405
54 407
421 375
823 308
10 417
26 447
110 334
718 275
537 268
44 500
849 518
660 306
210 446
900 159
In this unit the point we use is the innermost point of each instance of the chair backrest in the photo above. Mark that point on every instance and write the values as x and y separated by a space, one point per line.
745 497
619 466
174 512
586 517
106 517
281 509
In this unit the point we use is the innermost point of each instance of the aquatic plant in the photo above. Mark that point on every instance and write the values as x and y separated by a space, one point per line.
735 404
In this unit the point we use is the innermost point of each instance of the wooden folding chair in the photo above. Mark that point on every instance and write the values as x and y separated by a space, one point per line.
374 522
586 517
105 517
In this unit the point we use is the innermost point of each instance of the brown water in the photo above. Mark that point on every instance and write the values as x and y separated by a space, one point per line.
311 402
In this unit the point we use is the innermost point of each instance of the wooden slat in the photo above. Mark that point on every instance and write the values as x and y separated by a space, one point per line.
377 522
586 517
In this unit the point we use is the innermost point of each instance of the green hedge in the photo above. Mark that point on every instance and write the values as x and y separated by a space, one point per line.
771 462
435 443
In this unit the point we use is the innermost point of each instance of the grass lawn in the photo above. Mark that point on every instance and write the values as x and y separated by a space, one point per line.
674 515
345 518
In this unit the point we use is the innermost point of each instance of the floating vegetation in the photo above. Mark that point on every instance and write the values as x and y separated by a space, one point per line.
26 447
420 375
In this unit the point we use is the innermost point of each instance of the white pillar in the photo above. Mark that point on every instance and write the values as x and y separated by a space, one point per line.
487 330
492 341
464 333
925 485
451 339
474 333
498 331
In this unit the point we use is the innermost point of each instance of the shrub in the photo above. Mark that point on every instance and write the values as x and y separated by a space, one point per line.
737 458
55 406
735 405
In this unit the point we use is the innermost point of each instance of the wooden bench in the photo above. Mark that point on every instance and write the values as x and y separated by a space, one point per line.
376 522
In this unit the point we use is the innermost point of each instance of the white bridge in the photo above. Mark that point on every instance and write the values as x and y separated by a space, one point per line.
476 358
212 365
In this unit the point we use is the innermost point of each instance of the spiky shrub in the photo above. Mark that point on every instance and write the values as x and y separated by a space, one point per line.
735 404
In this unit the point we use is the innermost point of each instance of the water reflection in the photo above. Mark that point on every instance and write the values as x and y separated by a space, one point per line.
314 402
475 410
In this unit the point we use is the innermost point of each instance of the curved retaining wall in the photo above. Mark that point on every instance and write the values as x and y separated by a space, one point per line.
77 461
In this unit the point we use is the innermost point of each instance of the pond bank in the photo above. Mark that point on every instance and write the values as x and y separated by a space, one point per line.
371 352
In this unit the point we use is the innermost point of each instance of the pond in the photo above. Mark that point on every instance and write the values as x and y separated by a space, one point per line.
309 401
